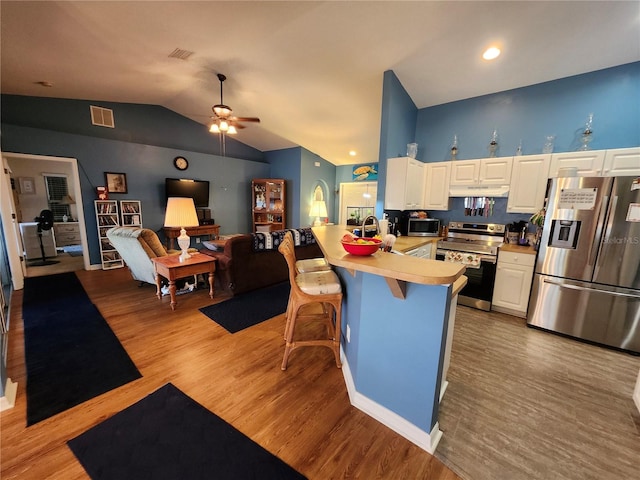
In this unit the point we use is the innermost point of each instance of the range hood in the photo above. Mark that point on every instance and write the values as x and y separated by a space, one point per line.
479 191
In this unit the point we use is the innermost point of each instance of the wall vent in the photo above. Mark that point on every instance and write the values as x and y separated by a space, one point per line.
180 54
103 117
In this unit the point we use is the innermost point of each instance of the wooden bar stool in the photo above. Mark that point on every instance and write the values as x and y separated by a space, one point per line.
322 288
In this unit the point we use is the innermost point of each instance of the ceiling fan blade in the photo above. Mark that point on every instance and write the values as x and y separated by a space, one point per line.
247 119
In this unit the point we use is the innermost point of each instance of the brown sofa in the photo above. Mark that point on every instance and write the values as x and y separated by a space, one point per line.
242 266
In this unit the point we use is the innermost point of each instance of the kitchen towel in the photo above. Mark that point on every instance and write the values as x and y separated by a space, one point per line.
467 259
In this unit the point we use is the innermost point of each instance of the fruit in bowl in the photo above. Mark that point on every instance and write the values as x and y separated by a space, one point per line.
360 246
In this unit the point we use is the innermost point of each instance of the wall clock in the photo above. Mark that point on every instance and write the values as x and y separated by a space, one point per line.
180 163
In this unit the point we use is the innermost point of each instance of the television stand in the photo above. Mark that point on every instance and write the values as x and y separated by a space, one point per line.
171 233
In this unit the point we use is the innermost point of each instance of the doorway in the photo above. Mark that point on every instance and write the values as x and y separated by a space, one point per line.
31 195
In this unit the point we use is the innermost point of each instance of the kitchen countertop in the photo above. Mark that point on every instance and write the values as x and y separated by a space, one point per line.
404 244
512 247
388 265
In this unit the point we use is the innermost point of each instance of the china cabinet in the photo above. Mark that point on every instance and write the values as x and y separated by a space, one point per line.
268 204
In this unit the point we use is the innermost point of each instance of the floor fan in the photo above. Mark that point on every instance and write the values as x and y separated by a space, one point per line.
45 222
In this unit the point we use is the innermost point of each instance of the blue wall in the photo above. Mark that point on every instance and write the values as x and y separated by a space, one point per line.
134 123
397 128
395 354
560 108
146 167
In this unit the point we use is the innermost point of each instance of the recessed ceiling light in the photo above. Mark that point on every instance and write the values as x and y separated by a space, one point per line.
352 153
491 53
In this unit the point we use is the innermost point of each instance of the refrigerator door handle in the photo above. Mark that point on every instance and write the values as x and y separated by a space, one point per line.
607 232
593 252
579 287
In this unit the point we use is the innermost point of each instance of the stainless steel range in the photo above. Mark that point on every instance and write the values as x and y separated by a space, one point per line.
476 246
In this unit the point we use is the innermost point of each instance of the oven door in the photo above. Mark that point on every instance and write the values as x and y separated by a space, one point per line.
478 291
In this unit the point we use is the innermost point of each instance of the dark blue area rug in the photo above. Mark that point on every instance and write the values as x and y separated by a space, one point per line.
168 435
72 355
251 308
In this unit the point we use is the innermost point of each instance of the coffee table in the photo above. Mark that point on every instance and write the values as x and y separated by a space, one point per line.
171 268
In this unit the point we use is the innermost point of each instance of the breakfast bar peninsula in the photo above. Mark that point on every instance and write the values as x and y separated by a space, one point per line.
397 324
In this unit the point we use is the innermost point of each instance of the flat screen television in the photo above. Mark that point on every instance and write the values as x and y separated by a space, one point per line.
182 187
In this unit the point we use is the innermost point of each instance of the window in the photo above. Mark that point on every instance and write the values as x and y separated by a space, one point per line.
56 190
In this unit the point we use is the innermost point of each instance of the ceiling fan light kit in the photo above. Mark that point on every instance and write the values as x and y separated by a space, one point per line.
222 122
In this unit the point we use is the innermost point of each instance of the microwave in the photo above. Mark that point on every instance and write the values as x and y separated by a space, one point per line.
423 227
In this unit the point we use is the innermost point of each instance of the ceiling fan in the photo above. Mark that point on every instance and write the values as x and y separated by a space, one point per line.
222 121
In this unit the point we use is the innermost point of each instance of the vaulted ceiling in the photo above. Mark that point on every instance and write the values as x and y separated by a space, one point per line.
312 71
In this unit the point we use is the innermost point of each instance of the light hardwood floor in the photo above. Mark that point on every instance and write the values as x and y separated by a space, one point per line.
521 403
302 415
528 404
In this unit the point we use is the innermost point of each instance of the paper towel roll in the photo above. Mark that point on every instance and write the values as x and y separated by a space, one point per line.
384 227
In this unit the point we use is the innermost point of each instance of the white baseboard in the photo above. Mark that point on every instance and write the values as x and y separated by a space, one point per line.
9 399
426 441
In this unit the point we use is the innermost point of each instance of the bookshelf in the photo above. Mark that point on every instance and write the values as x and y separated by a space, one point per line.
131 213
107 217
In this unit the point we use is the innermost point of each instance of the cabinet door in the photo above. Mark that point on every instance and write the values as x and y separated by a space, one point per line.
436 186
403 190
466 172
495 171
528 184
589 163
414 184
512 285
621 162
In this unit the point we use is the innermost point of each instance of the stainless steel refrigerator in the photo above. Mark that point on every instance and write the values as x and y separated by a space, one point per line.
587 276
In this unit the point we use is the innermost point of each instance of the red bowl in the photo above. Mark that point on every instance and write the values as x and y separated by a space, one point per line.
362 249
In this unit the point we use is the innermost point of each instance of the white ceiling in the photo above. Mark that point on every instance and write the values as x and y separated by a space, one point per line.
312 71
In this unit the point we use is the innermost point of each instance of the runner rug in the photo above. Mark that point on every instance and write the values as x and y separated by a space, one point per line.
168 435
71 353
251 308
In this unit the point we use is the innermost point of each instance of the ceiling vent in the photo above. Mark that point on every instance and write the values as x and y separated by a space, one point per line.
180 54
103 117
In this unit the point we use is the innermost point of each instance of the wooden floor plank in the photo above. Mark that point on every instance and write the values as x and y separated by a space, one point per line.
302 415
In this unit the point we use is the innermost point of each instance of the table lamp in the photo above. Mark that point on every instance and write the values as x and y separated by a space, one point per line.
181 212
318 209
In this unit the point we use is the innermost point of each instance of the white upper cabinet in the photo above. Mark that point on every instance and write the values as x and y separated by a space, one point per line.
436 186
588 163
465 172
528 183
405 179
486 171
621 161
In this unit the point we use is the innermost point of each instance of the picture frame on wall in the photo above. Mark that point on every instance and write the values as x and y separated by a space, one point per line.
363 173
116 182
27 185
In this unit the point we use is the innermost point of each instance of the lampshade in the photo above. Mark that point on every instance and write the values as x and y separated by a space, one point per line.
222 126
181 212
318 209
67 200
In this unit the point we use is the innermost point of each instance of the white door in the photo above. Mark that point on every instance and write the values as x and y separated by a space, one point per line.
528 183
10 228
356 194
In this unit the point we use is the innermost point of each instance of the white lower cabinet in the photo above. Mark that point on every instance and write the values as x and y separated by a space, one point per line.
423 251
514 274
